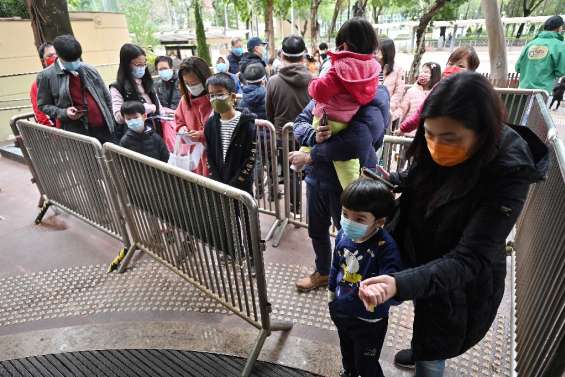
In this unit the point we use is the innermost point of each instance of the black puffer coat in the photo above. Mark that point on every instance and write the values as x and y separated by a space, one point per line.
147 143
455 243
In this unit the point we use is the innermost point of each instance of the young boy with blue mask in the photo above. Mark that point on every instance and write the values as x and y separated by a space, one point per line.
362 249
138 137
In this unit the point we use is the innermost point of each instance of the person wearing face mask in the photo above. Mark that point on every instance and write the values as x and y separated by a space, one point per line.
235 55
255 54
542 61
134 83
138 137
363 249
222 67
230 136
47 55
194 108
74 94
459 200
462 59
393 75
429 75
167 87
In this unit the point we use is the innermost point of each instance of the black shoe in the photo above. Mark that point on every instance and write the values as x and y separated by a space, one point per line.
345 373
405 359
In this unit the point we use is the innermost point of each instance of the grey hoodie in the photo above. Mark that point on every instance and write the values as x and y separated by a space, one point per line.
287 94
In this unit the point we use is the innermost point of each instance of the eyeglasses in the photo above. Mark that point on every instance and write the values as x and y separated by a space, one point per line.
220 96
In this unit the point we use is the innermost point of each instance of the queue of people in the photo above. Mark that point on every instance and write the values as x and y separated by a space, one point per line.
437 238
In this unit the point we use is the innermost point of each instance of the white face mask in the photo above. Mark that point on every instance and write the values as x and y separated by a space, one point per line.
195 90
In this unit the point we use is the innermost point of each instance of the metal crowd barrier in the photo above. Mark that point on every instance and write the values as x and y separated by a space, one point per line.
71 175
539 263
512 80
205 231
518 103
392 155
294 196
19 144
266 178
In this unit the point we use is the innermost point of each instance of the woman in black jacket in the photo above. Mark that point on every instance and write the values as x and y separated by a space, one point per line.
460 199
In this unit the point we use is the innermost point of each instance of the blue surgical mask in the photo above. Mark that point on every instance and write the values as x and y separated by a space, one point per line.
166 74
352 229
138 72
238 51
72 66
136 124
222 67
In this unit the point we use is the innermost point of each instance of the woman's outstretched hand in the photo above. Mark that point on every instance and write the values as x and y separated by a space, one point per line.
377 290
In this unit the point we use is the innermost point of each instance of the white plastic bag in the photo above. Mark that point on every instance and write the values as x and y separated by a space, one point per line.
186 153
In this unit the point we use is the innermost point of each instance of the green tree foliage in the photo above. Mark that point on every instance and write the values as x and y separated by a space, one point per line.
140 24
203 50
13 8
450 11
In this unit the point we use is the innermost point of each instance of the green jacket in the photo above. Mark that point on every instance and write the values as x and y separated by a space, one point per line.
542 61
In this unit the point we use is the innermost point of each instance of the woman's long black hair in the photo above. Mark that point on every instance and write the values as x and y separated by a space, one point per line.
389 53
128 52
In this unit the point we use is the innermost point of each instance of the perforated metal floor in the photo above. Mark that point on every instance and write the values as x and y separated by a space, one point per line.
140 363
149 287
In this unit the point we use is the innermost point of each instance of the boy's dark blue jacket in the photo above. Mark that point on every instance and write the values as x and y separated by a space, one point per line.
353 262
254 100
237 169
363 135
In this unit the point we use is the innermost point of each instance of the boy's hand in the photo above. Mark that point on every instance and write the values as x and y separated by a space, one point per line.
377 290
323 133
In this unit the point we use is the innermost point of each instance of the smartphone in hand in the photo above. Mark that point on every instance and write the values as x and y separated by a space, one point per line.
371 174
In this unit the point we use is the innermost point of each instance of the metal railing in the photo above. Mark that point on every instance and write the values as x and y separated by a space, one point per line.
392 155
512 80
539 262
266 178
205 231
19 144
71 175
518 103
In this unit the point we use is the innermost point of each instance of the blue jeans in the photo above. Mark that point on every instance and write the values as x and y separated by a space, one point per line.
433 368
323 207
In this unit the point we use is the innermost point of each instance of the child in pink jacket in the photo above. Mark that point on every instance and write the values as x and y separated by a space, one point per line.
461 59
350 83
429 75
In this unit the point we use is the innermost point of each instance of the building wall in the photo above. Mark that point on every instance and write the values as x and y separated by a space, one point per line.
100 34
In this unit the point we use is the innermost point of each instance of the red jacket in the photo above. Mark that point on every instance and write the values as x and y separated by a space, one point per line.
350 82
40 116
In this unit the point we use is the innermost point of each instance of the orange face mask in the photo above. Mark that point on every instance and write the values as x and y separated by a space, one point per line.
447 155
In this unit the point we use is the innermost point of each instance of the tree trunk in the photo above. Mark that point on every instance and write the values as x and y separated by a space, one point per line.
337 10
421 36
203 51
314 25
528 10
269 27
49 18
496 42
377 13
304 29
359 8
